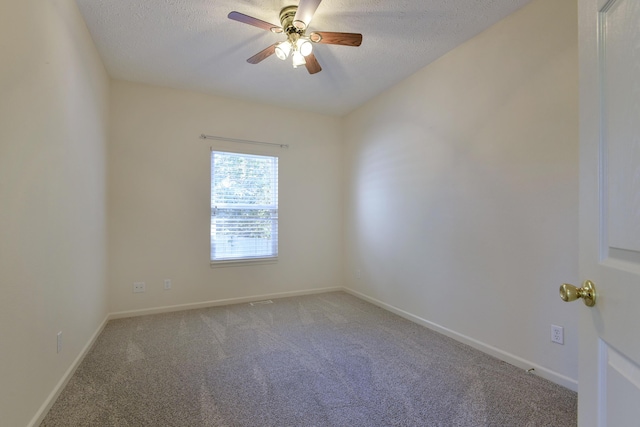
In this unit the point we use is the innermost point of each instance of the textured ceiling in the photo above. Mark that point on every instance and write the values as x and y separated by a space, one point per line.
191 44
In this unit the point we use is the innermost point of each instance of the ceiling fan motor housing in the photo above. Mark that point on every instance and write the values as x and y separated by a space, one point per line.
287 14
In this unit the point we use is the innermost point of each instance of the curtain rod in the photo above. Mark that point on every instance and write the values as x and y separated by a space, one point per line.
242 141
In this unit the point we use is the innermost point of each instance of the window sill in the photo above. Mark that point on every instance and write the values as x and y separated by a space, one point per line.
243 262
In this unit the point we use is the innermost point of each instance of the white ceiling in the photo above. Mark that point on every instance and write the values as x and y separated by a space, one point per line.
191 44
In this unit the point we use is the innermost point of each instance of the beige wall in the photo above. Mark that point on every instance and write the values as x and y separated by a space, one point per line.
159 197
462 185
53 126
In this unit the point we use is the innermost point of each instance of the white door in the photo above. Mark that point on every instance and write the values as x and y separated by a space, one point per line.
609 365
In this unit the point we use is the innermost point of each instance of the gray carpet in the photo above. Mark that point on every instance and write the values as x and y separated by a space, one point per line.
321 360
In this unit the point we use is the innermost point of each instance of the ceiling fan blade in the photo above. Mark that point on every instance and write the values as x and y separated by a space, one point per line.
312 64
246 19
263 54
305 12
329 37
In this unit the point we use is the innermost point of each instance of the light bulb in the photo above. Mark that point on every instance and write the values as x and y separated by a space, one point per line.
283 49
304 46
298 59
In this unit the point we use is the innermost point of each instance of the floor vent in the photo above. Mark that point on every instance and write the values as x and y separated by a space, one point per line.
261 302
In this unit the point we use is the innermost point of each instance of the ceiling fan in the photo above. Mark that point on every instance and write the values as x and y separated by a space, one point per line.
294 22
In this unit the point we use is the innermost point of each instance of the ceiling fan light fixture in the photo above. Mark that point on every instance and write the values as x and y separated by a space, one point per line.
298 59
283 50
304 46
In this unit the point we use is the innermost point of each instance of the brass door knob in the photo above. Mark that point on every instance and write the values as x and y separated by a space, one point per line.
587 292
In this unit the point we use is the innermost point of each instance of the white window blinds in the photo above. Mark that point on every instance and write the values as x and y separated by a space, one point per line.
244 207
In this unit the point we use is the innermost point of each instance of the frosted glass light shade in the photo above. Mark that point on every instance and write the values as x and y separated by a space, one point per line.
304 46
283 49
298 59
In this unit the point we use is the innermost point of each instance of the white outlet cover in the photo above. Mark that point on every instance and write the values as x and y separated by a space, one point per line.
167 284
557 334
138 287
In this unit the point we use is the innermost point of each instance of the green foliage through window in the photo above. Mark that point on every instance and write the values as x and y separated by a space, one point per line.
244 206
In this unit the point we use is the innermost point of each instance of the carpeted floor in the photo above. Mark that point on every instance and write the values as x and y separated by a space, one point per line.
321 360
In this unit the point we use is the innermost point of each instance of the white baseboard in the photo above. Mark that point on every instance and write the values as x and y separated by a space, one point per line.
485 348
214 303
51 399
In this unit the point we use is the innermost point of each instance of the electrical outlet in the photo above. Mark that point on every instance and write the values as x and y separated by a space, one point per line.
138 287
167 284
557 334
358 273
59 342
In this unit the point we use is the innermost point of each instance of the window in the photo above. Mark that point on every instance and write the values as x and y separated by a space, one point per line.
244 207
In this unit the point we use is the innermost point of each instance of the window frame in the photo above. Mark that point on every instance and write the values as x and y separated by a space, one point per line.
229 262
